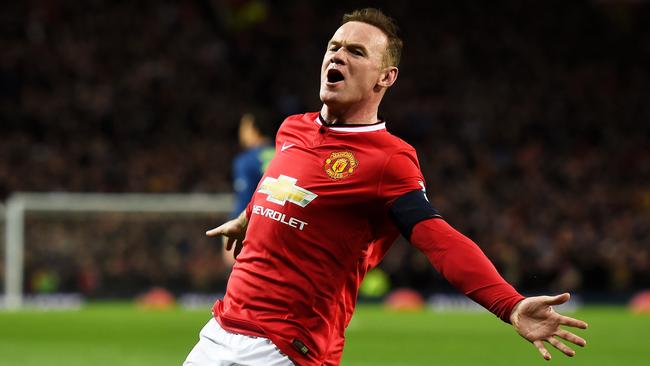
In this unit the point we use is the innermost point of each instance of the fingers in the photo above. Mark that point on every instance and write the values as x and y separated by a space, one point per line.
559 345
238 247
562 347
571 337
565 320
229 243
215 232
557 300
542 350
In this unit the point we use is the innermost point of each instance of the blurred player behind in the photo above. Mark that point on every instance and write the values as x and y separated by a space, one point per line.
256 137
256 133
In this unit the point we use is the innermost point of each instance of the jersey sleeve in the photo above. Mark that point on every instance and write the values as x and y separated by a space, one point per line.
465 266
401 175
404 192
454 255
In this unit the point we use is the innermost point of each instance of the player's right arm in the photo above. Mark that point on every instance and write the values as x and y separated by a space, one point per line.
233 232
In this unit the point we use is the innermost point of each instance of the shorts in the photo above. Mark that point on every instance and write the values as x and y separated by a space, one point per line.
218 347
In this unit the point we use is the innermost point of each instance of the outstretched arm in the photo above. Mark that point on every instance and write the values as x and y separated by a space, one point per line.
465 266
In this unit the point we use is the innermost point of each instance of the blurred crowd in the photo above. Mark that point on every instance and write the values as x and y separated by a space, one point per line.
531 121
122 254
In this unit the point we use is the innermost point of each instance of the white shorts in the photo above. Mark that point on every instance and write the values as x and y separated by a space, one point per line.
218 347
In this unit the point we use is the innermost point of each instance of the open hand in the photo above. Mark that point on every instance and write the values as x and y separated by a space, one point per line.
535 320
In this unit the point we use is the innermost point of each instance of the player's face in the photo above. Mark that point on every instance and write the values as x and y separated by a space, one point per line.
352 66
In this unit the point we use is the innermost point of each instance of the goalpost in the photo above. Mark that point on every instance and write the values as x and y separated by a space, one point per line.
19 204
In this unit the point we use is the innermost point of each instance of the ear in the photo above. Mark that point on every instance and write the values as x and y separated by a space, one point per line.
388 76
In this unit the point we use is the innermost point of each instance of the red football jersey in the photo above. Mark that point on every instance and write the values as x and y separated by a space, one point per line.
320 207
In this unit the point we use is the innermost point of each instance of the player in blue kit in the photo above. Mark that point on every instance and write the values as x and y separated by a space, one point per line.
255 137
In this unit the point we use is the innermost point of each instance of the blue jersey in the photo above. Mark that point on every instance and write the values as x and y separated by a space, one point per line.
248 168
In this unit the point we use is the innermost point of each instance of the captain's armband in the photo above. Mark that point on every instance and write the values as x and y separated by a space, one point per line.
410 209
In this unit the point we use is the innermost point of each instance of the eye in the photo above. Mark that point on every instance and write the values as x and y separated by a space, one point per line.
358 52
333 48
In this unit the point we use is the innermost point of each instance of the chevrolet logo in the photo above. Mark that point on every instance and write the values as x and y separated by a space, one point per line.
285 189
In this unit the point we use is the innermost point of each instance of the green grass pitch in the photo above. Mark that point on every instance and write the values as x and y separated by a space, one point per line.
119 334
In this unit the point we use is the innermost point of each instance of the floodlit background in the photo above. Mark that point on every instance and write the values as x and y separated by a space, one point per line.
531 121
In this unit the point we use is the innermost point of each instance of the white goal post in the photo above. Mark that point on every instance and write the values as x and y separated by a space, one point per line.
20 203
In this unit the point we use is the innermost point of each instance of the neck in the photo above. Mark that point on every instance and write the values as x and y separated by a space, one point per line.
351 116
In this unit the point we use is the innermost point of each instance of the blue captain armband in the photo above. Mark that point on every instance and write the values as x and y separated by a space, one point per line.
410 209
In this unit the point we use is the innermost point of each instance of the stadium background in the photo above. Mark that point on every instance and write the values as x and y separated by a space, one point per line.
531 121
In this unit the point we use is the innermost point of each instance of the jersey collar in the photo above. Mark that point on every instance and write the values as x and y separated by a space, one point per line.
351 127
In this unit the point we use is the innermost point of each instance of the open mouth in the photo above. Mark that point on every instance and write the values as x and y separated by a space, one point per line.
334 76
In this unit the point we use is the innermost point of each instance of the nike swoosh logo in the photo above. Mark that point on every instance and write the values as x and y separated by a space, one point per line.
285 146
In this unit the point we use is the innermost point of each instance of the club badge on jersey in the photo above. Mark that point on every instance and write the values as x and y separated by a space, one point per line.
340 164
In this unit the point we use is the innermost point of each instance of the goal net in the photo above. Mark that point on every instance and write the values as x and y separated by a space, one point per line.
111 245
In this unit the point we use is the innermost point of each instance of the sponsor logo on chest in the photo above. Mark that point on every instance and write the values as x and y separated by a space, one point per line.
280 191
279 217
284 189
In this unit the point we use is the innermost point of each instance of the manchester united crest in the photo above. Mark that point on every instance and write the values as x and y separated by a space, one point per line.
340 164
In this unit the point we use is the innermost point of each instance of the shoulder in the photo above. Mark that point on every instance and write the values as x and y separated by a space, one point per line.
393 145
399 156
298 122
301 118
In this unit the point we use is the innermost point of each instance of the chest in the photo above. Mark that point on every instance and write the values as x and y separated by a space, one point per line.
330 168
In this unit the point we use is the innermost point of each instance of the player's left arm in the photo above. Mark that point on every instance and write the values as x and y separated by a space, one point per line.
464 264
466 267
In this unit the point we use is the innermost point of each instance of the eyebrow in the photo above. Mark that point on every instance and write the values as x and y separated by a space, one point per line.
348 45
